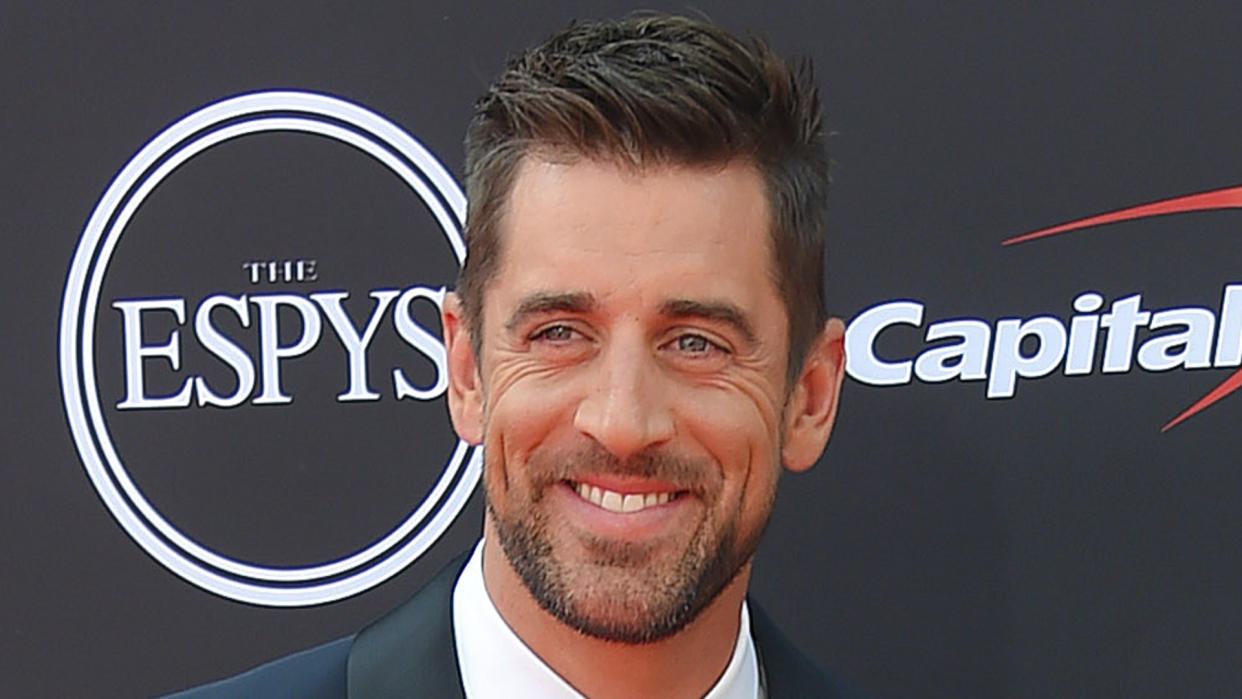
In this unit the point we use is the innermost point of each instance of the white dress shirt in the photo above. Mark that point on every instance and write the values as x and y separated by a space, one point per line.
494 663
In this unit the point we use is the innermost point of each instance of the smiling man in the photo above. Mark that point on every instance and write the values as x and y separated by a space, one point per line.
630 388
639 342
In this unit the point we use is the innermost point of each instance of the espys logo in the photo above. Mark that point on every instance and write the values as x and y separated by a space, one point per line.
278 326
972 349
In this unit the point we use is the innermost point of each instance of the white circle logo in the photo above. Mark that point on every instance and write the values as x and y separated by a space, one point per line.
274 111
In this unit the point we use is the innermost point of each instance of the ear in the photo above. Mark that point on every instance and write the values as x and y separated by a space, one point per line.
812 404
465 389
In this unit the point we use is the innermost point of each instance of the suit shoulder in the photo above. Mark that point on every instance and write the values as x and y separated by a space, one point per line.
314 673
787 671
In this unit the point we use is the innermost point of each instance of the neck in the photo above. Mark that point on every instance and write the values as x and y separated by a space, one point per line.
685 664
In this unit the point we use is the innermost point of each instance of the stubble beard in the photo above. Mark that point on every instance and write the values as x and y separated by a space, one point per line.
624 593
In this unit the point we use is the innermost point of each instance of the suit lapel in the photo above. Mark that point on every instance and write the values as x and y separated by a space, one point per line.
410 652
786 670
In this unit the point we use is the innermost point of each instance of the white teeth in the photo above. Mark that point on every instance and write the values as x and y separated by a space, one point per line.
617 502
611 501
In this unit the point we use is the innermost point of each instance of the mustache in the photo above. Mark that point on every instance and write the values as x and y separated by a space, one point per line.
697 475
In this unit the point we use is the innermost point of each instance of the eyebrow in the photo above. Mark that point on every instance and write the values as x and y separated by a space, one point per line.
719 311
550 302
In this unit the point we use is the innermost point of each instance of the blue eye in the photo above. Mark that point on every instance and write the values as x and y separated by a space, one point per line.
555 333
697 345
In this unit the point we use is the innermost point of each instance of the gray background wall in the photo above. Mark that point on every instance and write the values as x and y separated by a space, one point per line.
1052 544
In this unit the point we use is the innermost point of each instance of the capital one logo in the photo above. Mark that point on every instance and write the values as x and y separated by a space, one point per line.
256 380
973 349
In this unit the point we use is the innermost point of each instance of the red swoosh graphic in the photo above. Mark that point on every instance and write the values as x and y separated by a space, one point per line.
1227 198
1226 387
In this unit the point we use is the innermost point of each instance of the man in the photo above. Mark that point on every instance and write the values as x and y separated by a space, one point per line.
640 343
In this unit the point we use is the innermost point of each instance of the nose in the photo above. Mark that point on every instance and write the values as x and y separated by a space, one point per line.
625 408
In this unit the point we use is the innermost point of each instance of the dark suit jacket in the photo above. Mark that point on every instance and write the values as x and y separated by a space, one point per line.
409 652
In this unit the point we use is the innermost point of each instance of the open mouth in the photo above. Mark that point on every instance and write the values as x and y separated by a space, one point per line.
622 502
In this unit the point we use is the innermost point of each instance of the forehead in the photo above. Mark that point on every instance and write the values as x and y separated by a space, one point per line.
645 234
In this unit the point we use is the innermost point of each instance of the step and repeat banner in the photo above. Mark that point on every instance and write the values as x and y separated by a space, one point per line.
231 225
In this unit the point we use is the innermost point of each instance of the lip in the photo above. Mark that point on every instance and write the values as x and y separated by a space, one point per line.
628 484
648 523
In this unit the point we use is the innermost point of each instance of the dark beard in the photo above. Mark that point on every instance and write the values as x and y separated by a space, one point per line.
656 604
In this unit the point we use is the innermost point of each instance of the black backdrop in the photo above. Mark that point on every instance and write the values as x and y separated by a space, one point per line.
1056 543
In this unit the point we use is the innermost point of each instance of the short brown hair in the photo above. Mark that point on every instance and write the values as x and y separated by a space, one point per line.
652 90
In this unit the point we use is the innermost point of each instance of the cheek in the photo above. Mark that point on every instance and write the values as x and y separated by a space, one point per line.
739 430
518 421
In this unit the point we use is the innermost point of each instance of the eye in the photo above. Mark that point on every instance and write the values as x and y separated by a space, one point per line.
554 333
693 344
696 353
560 342
697 346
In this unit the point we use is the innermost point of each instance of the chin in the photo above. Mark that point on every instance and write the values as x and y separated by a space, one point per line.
619 592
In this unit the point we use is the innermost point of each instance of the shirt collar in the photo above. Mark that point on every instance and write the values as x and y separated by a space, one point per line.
494 662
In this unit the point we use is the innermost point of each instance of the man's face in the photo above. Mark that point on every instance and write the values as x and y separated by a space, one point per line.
630 389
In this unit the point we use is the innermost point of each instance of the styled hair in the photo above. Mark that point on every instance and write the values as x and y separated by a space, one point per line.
653 90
